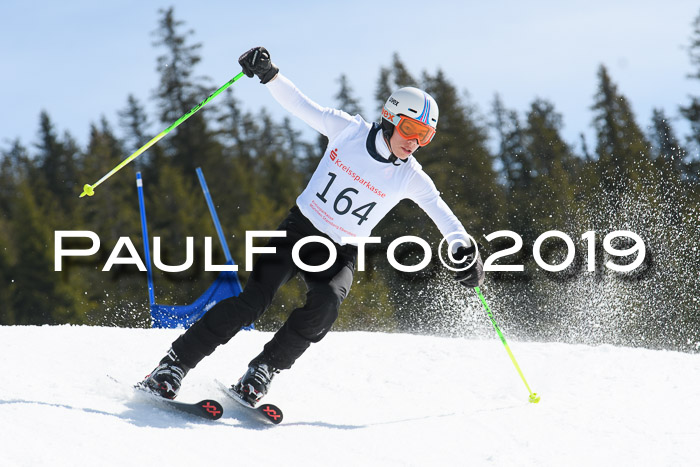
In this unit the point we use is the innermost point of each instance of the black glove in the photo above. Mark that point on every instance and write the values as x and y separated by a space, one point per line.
474 275
256 61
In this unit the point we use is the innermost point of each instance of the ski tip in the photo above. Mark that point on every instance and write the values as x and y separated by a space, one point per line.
211 407
271 412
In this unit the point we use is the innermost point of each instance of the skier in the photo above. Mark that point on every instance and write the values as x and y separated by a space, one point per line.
366 170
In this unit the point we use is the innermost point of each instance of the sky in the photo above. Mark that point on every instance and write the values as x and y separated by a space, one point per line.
79 60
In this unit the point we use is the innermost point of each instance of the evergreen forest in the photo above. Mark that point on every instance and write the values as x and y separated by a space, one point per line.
498 169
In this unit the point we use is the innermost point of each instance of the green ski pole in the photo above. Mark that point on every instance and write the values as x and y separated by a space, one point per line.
534 398
90 189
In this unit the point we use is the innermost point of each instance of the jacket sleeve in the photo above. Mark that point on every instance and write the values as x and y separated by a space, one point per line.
325 120
424 193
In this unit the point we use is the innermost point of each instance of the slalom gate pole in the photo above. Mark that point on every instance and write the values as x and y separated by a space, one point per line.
214 216
146 244
89 190
534 398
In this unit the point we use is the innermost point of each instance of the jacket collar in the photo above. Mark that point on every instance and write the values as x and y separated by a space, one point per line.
378 149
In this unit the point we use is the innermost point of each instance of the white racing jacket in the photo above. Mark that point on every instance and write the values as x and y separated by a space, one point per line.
355 185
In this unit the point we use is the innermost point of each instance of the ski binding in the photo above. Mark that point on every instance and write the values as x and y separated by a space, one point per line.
268 412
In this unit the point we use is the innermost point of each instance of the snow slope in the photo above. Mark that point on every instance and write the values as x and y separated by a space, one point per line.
354 399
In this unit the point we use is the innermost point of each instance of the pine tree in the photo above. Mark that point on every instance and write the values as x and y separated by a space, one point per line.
112 213
6 246
692 114
177 210
238 163
633 194
538 170
384 88
546 203
56 161
176 88
135 125
622 149
553 163
134 121
105 151
402 77
346 98
6 281
692 111
511 150
282 180
15 165
37 295
191 144
666 149
694 49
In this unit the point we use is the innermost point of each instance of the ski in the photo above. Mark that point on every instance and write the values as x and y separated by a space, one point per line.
207 408
268 412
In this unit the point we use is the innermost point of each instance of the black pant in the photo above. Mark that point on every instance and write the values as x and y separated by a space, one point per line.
310 323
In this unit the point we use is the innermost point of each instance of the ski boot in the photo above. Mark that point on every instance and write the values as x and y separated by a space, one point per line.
255 382
166 378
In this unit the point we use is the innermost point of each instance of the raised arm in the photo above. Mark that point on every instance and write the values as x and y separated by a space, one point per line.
325 120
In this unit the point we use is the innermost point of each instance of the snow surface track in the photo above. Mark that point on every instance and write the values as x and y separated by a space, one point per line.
353 399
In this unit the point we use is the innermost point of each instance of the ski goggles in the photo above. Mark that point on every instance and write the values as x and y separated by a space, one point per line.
411 128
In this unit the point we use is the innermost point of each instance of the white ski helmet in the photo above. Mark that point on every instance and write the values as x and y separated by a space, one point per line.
418 106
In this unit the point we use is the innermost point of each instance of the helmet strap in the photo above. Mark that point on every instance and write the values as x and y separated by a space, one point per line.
387 132
392 157
387 129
